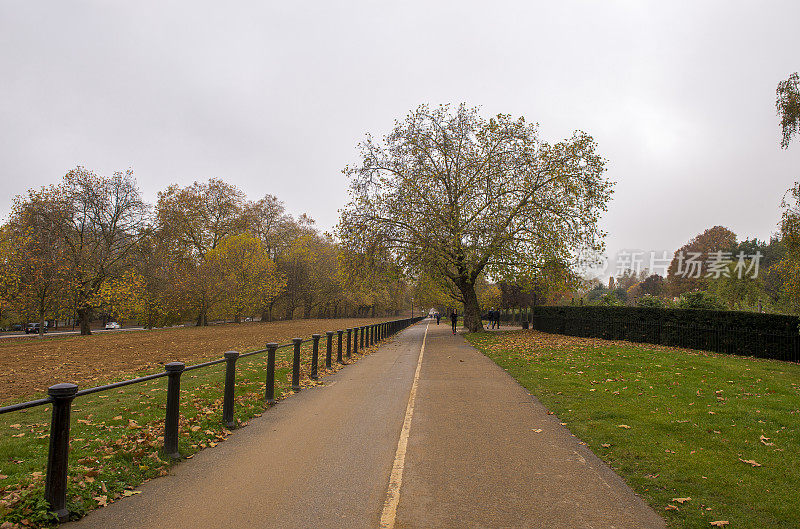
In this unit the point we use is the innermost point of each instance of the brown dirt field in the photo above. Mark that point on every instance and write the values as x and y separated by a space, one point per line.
28 367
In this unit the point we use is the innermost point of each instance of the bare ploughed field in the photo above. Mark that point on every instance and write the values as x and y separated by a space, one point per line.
29 366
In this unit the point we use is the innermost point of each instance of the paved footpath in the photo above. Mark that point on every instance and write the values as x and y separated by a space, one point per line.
323 458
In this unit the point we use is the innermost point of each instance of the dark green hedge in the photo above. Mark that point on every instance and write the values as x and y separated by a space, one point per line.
742 333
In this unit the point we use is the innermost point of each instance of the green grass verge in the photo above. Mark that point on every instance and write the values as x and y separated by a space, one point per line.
673 423
116 436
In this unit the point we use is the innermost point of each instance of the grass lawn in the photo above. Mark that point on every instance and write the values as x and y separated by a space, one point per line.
701 437
116 435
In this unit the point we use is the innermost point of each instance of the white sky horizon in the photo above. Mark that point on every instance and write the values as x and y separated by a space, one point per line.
273 98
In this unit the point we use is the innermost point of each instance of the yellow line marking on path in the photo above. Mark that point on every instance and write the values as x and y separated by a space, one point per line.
396 477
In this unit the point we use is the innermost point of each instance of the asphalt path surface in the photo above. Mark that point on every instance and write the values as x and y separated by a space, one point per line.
481 452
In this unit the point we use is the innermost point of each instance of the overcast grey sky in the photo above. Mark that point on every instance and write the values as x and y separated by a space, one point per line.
274 96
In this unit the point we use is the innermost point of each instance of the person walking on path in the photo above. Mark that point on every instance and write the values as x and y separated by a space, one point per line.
454 319
438 317
492 316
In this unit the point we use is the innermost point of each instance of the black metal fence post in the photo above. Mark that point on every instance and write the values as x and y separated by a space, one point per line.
173 408
55 487
363 328
349 342
296 364
230 388
355 339
339 347
269 393
329 350
315 356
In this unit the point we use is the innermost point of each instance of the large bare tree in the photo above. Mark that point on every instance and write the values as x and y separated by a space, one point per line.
96 221
451 193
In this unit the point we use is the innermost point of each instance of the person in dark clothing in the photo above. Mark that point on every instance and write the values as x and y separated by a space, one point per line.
454 319
491 318
438 317
497 318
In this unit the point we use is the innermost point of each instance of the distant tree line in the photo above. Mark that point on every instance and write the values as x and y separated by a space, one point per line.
714 285
90 248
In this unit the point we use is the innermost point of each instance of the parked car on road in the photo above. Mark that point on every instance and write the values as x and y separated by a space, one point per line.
112 325
33 328
16 327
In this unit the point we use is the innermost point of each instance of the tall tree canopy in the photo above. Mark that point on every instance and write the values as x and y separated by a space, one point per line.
453 194
688 268
95 220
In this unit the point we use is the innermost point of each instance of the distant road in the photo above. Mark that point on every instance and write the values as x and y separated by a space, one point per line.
65 333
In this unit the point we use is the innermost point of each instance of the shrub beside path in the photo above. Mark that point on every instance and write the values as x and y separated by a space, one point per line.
481 453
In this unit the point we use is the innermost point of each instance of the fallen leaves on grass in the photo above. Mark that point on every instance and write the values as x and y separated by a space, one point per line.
527 342
27 368
681 500
750 462
720 523
624 426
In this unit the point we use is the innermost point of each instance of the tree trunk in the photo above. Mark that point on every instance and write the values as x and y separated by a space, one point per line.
84 313
472 311
202 317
